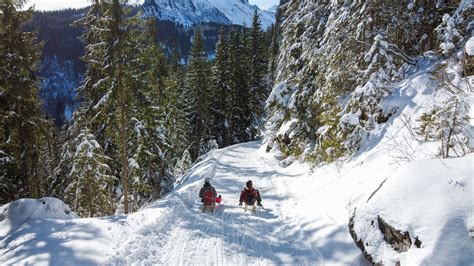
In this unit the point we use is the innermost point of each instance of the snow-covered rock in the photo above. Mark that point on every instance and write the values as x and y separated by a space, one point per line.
470 46
193 12
429 201
469 60
16 213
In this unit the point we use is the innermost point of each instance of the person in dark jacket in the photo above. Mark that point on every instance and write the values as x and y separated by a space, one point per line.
249 195
208 193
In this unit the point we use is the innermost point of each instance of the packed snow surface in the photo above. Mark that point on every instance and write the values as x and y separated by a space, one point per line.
174 231
306 208
304 220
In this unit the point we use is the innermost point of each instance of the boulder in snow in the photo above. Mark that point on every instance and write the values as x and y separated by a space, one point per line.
18 212
469 60
421 215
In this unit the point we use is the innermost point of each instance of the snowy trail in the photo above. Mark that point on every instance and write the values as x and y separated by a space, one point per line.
295 227
186 236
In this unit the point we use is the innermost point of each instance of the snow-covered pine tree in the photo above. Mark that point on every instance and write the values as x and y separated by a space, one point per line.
337 62
239 115
197 84
111 89
456 26
19 105
95 38
90 192
220 92
275 35
447 122
183 164
147 163
149 139
179 127
50 140
258 68
59 181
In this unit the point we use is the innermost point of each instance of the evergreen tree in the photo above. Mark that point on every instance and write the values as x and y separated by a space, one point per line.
112 85
50 139
240 112
275 39
91 189
197 84
149 139
177 116
59 181
220 92
183 164
121 59
258 66
19 105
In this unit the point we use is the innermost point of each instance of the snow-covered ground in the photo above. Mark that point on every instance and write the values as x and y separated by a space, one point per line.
174 231
304 220
306 214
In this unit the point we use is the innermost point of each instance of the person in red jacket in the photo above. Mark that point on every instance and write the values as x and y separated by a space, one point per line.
249 195
209 196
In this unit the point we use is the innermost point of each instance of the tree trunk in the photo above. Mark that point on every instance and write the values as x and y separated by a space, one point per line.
451 130
123 140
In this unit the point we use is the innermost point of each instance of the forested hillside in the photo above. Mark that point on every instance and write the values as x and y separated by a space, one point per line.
61 69
340 59
142 115
341 135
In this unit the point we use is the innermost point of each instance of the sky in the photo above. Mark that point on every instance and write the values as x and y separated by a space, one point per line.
61 4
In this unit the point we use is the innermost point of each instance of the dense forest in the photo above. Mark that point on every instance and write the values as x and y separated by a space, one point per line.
61 70
339 60
142 117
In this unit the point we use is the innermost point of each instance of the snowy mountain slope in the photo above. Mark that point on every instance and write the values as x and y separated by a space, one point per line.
273 9
192 12
304 220
307 208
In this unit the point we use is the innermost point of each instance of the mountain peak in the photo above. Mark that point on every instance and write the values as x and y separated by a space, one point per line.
193 12
272 9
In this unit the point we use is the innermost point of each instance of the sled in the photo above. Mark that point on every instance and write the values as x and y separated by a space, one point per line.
209 208
212 207
252 208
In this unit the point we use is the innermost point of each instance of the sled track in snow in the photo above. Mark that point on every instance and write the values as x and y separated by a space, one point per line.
229 236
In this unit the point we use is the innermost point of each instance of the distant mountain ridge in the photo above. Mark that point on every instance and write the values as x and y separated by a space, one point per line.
62 70
194 12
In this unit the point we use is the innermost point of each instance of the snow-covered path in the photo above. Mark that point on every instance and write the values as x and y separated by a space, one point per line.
305 220
185 236
296 226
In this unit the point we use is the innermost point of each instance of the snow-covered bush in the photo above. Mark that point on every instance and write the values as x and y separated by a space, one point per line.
208 146
455 26
90 192
448 121
183 164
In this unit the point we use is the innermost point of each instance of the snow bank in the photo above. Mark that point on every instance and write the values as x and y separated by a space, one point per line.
470 46
46 232
16 213
429 199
